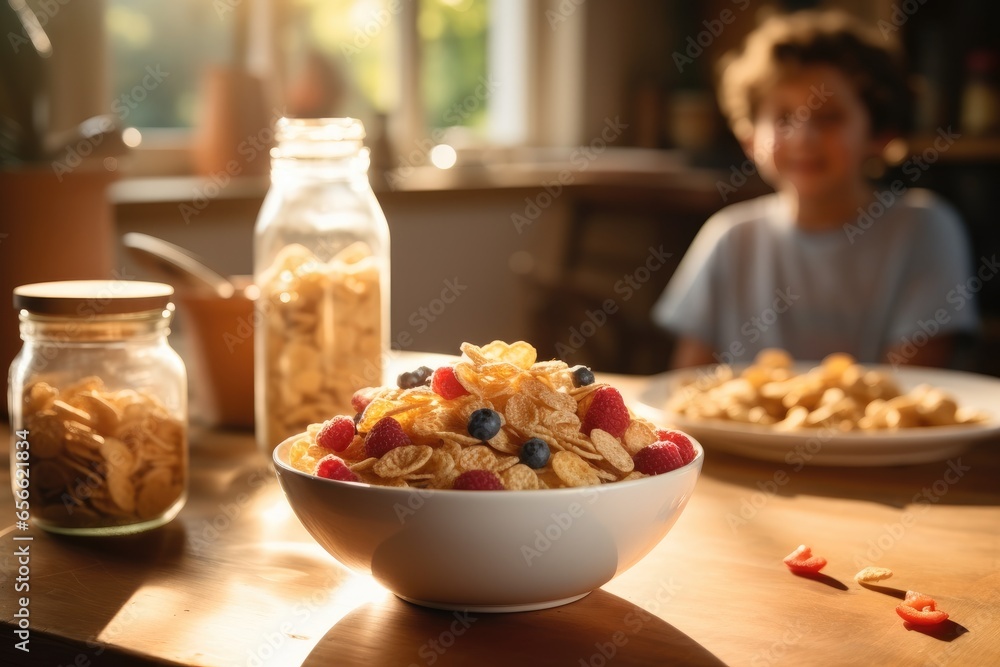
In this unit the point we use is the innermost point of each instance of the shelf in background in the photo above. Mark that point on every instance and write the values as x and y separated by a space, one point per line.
965 149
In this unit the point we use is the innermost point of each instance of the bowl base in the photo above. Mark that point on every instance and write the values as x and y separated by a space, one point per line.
494 608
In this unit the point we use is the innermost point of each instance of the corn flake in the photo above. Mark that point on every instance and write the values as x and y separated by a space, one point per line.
608 446
402 461
573 470
870 575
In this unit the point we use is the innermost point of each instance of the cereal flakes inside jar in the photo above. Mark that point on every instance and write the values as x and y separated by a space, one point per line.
101 458
322 335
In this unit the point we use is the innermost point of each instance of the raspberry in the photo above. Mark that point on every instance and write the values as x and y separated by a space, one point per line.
386 434
333 467
362 397
445 384
336 433
484 424
607 412
478 480
802 561
681 440
658 457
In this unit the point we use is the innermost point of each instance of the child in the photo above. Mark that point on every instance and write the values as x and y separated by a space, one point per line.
831 262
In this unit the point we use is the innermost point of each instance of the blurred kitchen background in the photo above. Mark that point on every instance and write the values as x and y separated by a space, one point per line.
527 154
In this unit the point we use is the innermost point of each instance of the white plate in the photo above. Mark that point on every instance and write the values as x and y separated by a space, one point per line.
825 448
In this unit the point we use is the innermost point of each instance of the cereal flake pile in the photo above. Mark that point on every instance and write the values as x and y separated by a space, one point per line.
102 457
839 394
323 319
497 419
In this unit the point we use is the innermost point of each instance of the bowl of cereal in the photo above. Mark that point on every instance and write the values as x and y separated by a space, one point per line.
503 485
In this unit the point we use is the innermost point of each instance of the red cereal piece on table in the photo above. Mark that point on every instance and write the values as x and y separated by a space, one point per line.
802 561
386 434
445 384
478 480
681 440
657 458
607 412
336 433
920 609
333 467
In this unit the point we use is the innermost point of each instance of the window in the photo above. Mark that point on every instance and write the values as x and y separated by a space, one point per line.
329 57
453 73
174 40
355 42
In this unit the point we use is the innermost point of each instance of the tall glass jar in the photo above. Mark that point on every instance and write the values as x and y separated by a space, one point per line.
321 263
98 408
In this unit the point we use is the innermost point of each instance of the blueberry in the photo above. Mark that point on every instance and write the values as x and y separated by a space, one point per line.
582 376
535 453
357 418
484 424
411 379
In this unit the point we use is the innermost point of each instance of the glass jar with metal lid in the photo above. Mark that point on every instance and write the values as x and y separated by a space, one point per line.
98 408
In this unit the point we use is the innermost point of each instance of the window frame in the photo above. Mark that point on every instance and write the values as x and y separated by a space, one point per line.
541 107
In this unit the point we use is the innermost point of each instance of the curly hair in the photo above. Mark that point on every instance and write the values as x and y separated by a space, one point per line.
784 43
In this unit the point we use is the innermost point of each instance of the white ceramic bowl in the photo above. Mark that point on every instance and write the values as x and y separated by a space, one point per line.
488 550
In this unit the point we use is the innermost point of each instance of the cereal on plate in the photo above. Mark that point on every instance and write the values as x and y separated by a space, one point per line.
838 393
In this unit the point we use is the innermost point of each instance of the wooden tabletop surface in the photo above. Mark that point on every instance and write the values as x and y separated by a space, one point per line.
236 580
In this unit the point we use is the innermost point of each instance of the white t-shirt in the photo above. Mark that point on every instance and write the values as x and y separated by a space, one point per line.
752 279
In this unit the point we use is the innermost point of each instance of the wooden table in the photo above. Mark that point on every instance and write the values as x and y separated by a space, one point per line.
236 580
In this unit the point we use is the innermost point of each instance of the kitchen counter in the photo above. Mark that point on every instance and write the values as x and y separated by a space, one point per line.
236 580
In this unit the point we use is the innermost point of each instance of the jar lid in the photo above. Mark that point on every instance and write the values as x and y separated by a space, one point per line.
85 298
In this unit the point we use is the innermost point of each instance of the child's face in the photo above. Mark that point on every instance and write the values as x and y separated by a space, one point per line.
812 134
